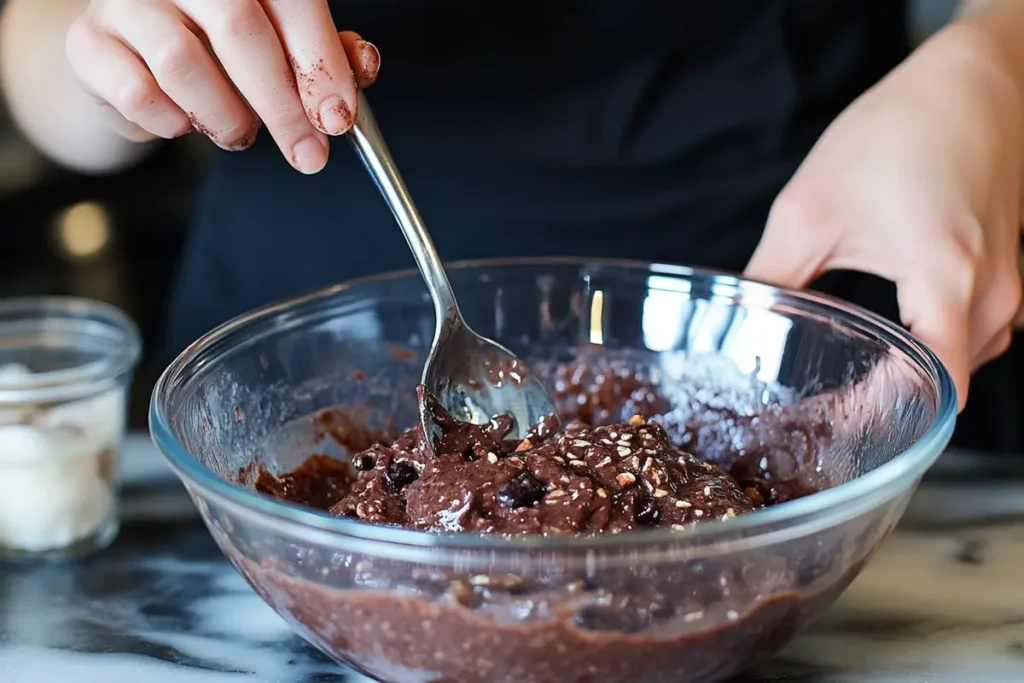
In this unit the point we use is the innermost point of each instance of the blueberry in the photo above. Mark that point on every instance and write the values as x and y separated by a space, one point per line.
521 491
364 462
400 475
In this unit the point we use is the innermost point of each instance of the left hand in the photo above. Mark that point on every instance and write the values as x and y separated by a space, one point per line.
918 181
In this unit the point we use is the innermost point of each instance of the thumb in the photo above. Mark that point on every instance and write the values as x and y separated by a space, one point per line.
939 314
791 252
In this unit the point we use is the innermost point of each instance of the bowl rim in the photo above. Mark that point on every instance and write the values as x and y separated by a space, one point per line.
889 479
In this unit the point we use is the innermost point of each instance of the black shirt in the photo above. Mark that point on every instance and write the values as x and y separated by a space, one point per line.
652 129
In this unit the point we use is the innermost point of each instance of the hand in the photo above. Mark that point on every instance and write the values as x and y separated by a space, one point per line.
919 182
221 67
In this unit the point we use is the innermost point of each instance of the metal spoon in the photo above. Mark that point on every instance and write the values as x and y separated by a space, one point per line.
474 378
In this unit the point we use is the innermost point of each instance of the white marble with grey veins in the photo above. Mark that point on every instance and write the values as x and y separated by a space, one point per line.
942 603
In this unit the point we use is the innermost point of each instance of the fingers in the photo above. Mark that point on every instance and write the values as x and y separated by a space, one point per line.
957 294
326 84
187 73
995 347
363 56
997 303
222 68
795 246
113 74
936 306
250 52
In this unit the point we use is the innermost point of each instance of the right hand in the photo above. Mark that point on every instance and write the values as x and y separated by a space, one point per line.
221 67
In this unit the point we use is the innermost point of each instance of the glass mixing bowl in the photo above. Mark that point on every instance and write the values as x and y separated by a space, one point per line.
747 366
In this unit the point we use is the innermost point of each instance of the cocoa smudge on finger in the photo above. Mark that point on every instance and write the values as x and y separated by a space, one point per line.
363 58
244 142
247 140
198 127
367 65
342 109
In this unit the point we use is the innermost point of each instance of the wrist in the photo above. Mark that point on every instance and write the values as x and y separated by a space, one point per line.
983 71
991 36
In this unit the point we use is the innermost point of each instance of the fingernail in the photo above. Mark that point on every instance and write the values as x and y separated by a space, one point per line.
370 66
247 140
335 116
309 155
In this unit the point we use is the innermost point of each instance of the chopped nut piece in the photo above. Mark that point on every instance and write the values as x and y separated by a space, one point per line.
625 479
524 446
683 504
601 493
636 420
623 451
755 495
660 493
492 458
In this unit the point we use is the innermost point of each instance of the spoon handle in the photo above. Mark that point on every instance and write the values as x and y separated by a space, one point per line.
369 144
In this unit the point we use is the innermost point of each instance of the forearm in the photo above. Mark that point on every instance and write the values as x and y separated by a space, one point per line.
43 95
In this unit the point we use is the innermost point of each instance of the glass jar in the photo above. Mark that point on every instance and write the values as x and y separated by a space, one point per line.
66 366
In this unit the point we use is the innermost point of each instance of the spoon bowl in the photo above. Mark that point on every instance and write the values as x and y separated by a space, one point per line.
474 378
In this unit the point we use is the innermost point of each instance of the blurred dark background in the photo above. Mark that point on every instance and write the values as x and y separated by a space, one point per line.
117 238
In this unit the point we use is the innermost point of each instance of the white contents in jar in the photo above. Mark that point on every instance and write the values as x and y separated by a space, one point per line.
57 468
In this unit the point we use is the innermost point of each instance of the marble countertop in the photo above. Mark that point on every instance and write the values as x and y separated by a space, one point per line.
943 602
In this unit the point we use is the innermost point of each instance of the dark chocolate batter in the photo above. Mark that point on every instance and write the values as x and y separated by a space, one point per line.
621 463
614 468
586 479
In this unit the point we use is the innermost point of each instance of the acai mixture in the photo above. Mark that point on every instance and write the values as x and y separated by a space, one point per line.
623 460
620 458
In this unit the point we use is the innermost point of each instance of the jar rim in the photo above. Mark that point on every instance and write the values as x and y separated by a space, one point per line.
68 322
